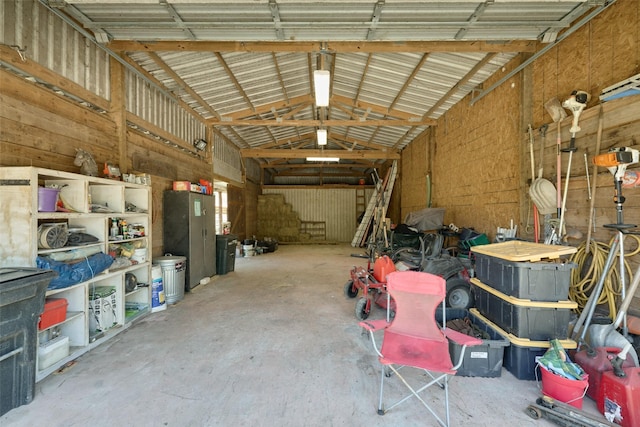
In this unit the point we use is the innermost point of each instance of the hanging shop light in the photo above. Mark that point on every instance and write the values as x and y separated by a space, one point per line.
323 159
321 83
322 136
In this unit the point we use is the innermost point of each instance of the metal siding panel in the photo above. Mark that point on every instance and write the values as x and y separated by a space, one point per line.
334 206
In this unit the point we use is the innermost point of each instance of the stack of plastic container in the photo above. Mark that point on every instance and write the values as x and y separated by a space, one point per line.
522 289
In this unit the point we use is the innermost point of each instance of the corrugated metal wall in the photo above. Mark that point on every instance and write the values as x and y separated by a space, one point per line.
47 40
335 206
155 107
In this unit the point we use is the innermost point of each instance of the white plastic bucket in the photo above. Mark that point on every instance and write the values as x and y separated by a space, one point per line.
248 250
158 302
139 255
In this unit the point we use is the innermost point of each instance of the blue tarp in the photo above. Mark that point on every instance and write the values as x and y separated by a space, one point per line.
71 273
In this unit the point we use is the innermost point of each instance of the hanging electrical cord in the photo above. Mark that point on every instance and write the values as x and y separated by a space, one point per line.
590 268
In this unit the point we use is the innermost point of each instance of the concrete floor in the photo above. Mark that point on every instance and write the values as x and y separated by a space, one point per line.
274 343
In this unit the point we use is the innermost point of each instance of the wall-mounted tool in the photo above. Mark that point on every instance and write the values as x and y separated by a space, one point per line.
576 103
542 191
617 160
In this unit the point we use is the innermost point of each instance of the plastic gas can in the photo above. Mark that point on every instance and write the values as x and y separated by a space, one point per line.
620 397
594 362
382 267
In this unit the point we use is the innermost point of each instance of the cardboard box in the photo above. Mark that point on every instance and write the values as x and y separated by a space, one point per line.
181 186
55 311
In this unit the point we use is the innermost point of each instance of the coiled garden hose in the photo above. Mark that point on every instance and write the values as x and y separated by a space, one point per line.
590 268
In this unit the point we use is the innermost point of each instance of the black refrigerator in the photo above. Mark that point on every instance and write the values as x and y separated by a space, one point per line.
189 229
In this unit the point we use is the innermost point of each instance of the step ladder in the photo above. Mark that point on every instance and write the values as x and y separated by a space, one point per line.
360 200
374 216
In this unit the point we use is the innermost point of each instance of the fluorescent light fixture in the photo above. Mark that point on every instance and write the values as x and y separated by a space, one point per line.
322 136
321 82
323 159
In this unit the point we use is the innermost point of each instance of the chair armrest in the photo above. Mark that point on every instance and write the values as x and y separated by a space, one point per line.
374 325
460 338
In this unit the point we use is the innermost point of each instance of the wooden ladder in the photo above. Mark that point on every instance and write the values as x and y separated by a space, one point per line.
360 200
377 207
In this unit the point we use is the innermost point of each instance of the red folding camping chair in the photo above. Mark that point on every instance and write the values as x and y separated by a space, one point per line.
414 339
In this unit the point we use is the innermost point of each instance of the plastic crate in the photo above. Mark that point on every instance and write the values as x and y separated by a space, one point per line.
55 311
523 318
536 281
483 360
517 250
520 355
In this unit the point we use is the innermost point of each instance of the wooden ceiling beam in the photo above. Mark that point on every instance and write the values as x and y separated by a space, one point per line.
298 103
301 137
273 165
356 141
314 47
180 82
314 123
351 103
355 174
303 153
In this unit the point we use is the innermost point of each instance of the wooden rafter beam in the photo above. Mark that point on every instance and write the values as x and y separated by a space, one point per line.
356 141
235 81
180 82
303 153
330 122
338 174
298 103
314 47
351 103
301 137
409 80
274 165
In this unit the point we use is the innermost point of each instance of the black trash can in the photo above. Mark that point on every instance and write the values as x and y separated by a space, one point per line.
225 252
22 292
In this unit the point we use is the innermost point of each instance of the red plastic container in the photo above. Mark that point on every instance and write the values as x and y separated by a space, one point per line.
563 389
621 397
55 311
382 267
595 363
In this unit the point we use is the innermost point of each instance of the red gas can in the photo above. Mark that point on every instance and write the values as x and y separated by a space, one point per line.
621 397
594 363
382 267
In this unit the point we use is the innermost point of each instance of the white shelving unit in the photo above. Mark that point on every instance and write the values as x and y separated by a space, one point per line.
20 219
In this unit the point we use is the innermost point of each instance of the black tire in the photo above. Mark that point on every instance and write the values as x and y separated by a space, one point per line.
350 291
534 412
459 294
361 309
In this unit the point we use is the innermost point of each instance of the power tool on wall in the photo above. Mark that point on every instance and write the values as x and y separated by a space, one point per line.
617 160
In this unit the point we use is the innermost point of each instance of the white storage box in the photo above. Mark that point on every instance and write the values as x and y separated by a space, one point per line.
52 351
